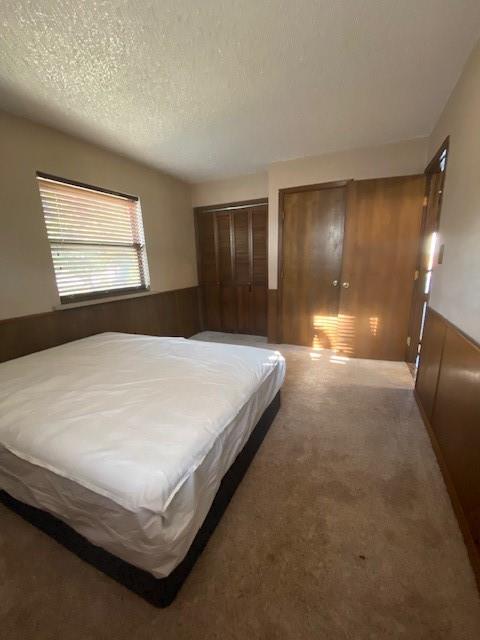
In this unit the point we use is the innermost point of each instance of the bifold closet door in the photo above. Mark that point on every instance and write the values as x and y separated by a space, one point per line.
232 259
243 269
311 263
259 265
208 270
250 240
226 268
379 260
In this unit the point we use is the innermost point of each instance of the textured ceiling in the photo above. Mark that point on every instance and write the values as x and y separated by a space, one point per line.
213 88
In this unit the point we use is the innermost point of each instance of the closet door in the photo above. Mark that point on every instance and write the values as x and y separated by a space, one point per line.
232 262
226 269
379 261
259 268
312 239
243 269
208 270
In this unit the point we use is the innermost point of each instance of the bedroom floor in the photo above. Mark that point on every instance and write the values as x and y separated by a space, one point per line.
342 528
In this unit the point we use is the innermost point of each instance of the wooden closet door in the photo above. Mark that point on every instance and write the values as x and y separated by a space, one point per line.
226 268
312 240
208 270
232 262
379 259
243 269
259 268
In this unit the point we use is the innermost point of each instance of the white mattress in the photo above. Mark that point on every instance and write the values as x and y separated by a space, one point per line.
126 438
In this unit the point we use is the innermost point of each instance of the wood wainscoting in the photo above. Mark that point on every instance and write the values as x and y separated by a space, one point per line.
170 313
448 394
272 320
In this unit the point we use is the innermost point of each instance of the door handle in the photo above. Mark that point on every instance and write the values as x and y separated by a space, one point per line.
334 283
345 285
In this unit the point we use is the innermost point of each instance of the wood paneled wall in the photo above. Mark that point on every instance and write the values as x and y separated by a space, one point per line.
272 320
448 393
170 313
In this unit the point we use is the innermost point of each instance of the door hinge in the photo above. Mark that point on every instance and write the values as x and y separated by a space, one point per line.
417 274
409 340
425 201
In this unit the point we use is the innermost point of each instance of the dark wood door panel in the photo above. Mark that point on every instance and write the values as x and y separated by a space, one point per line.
206 246
245 309
228 307
259 245
379 260
312 241
232 248
242 239
225 248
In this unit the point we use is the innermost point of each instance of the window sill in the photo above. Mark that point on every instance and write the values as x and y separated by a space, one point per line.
92 301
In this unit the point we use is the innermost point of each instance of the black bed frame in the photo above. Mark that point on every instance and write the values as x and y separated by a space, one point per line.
158 591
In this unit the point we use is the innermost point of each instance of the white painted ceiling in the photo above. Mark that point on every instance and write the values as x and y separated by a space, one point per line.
212 88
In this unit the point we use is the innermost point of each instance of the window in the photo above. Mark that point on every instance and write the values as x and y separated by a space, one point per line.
96 239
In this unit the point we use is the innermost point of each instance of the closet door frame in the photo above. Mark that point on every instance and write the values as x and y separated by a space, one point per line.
281 216
214 208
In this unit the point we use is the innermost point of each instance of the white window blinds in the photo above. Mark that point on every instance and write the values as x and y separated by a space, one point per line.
96 239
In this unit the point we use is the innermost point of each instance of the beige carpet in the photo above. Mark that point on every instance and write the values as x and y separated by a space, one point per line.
342 528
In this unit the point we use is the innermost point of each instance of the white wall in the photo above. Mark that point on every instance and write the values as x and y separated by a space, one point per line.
402 158
27 281
456 283
247 187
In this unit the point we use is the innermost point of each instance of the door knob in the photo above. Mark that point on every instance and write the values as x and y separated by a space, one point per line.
345 285
334 283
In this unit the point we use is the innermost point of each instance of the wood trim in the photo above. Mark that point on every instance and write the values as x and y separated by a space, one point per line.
314 187
454 327
242 204
173 313
106 293
419 297
432 165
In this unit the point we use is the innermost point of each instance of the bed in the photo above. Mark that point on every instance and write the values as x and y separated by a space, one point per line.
127 448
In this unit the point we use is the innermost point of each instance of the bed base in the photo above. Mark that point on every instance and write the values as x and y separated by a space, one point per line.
159 592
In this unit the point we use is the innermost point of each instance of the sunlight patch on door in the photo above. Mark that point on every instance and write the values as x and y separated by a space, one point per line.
324 332
334 332
374 321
